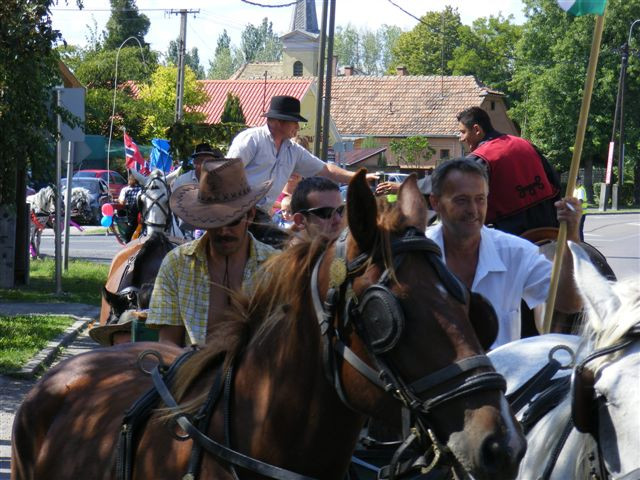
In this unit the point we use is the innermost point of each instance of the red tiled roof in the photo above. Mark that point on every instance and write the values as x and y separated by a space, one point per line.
356 156
403 105
254 96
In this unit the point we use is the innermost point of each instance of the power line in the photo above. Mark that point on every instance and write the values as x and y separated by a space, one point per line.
256 4
408 13
108 9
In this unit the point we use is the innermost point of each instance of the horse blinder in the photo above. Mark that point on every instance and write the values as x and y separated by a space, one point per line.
483 319
380 319
584 411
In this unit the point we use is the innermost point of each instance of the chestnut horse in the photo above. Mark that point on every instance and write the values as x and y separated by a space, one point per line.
332 334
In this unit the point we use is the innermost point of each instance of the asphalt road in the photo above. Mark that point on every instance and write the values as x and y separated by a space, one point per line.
617 236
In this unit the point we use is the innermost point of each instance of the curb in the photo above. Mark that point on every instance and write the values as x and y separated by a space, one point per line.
47 355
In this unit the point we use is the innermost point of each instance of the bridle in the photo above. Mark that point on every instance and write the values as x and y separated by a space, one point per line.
155 202
378 319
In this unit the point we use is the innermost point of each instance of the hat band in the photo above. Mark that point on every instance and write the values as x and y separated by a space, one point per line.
223 197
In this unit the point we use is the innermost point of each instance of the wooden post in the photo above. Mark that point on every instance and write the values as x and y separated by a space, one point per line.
573 170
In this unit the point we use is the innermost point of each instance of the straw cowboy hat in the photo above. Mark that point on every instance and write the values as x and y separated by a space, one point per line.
283 107
223 195
103 334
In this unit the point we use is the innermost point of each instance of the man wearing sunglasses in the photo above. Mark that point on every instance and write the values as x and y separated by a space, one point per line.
196 280
317 207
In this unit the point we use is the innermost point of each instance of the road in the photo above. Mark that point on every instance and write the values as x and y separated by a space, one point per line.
617 236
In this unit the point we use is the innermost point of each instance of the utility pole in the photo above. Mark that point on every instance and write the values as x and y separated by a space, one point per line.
182 43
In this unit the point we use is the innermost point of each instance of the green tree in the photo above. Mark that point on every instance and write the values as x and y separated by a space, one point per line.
159 98
429 47
28 73
125 22
364 49
192 59
232 110
225 61
388 36
411 150
487 51
261 44
550 69
346 46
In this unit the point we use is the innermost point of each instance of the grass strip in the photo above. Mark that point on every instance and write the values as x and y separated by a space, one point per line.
22 336
82 283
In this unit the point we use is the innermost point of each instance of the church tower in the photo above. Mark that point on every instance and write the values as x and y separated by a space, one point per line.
300 46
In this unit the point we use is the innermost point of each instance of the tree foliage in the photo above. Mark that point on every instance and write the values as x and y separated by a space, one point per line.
28 73
411 150
232 110
261 44
227 59
429 47
159 98
125 21
367 51
487 50
191 59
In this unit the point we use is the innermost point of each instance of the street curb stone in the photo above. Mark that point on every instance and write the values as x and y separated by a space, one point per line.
47 355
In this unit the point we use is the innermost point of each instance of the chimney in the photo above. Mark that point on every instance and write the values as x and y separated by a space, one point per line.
401 71
334 66
348 71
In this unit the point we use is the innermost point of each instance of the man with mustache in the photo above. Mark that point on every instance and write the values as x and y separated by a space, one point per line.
502 267
196 280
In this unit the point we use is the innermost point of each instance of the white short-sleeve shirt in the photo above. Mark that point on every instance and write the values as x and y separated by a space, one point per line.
256 148
509 269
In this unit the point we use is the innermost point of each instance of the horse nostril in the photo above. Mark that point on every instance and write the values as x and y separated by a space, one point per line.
495 455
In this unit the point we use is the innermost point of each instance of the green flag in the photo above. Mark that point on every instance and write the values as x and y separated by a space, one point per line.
583 7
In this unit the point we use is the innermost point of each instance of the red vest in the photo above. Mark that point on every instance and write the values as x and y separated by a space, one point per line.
517 179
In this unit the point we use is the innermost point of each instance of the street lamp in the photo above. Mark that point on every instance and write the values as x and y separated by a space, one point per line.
619 113
115 87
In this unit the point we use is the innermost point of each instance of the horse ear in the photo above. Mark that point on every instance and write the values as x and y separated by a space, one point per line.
115 301
412 204
362 212
596 291
142 179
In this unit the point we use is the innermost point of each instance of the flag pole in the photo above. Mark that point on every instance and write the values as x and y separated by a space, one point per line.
573 170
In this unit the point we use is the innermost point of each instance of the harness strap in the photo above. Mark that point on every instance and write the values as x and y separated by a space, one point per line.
523 395
450 372
557 448
221 451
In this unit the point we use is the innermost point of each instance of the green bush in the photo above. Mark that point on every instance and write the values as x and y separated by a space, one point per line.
625 198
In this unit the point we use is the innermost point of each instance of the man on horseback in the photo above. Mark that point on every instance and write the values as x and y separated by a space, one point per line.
268 153
524 187
502 267
196 280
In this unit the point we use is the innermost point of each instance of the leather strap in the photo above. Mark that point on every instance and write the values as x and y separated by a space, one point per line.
225 453
450 372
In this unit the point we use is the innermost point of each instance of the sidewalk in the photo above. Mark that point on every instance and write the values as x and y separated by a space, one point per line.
14 389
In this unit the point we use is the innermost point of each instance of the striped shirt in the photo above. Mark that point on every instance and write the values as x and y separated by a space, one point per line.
181 291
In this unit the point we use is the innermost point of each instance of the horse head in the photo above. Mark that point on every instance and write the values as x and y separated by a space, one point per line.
391 302
153 200
606 383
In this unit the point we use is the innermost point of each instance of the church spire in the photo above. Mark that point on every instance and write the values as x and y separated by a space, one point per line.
304 17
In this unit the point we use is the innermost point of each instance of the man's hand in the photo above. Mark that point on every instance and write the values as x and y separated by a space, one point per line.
386 188
372 177
569 210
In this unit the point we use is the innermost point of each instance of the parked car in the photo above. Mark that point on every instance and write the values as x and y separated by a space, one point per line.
116 183
392 177
86 209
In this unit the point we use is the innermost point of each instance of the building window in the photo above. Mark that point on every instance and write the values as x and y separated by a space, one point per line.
444 154
493 105
297 68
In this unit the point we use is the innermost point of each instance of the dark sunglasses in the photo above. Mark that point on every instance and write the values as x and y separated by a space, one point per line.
324 212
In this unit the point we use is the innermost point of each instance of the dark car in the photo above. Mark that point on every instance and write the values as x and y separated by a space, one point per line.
116 181
86 209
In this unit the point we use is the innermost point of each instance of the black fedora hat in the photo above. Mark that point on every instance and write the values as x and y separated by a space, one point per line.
203 149
284 107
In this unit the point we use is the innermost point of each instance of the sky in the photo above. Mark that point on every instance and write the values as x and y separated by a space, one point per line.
214 16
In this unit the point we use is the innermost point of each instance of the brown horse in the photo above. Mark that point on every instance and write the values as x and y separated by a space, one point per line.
297 398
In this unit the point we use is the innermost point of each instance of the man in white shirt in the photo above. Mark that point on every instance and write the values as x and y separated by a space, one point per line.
269 154
502 267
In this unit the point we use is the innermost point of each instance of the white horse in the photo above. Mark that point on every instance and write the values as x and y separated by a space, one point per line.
154 202
42 205
611 312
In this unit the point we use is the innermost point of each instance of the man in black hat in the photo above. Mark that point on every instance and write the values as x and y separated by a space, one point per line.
269 154
202 152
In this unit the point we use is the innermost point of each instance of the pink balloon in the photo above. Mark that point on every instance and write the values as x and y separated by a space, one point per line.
107 210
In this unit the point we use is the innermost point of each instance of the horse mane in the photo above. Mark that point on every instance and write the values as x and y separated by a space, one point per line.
280 293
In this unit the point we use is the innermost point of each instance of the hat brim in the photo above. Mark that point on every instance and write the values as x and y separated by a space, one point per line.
292 117
104 333
186 204
209 153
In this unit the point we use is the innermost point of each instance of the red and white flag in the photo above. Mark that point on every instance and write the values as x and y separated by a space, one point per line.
133 157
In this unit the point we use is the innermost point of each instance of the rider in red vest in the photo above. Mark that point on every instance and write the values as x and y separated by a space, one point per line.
522 185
